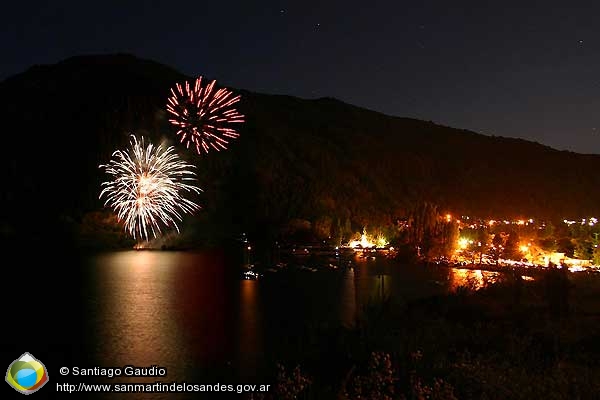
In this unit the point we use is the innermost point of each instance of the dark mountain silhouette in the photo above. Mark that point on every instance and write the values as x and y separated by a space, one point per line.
322 160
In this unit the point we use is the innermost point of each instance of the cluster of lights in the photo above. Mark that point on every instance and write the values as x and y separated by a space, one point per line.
367 241
574 265
475 224
592 221
526 248
584 221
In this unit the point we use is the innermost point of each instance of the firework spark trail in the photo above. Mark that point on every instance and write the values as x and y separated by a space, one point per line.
147 187
203 116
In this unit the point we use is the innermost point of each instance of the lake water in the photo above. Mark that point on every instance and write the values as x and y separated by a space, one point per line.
190 312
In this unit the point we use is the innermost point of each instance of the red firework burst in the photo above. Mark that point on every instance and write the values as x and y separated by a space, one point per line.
203 115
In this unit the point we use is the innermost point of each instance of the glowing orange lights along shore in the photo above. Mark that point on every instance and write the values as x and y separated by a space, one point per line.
368 241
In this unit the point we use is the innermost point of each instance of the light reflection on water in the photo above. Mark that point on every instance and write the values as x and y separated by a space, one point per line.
347 298
251 323
135 298
151 307
188 312
473 279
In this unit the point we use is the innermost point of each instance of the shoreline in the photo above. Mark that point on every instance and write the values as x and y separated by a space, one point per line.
522 269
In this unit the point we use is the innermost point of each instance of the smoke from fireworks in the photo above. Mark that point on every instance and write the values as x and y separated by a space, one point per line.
203 115
147 188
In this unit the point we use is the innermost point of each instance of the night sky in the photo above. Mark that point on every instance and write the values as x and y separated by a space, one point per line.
528 71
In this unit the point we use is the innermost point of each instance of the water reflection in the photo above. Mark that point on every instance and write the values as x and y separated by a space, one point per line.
375 272
470 278
250 322
347 298
184 311
135 321
134 299
192 314
203 304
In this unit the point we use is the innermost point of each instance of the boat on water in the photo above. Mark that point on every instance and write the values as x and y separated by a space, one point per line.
250 275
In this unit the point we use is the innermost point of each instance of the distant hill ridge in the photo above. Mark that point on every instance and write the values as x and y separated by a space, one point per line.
315 160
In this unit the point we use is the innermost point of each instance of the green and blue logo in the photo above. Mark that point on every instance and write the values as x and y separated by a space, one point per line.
27 374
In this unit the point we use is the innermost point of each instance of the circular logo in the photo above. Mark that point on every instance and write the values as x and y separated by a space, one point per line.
27 374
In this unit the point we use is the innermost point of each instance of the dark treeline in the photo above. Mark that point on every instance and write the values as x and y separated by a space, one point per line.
319 168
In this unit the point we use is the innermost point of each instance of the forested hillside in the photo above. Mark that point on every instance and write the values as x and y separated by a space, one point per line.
309 162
